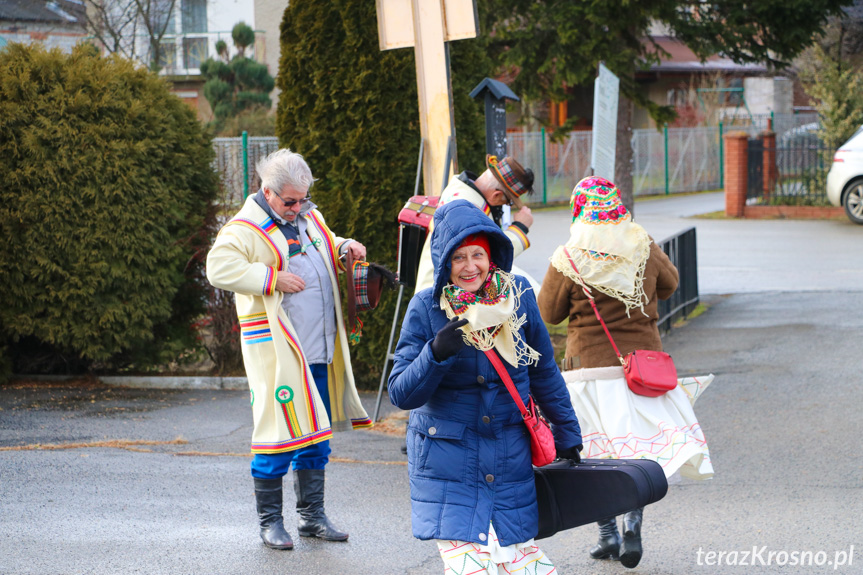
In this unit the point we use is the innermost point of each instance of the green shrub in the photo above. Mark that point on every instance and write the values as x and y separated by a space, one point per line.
238 86
243 36
107 185
351 110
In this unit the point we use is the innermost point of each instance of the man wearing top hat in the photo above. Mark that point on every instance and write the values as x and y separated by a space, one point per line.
282 261
504 182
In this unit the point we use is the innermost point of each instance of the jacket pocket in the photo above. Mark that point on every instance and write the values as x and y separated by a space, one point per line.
438 447
517 462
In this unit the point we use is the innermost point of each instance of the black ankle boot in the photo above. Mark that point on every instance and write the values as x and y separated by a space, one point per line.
268 495
309 487
608 546
630 550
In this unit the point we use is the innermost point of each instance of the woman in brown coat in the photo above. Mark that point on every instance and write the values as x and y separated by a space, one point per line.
613 259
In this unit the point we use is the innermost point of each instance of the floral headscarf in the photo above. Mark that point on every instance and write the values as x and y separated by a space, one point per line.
609 250
493 321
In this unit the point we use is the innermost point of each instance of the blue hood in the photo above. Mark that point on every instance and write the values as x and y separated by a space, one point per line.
453 222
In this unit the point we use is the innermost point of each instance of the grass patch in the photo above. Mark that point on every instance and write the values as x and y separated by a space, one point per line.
717 215
651 197
699 309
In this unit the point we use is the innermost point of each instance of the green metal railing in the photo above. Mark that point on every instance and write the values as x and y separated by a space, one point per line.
666 161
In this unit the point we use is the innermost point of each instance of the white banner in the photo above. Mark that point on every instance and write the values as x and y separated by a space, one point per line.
605 94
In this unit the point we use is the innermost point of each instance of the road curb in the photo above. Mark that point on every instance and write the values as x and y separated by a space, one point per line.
152 382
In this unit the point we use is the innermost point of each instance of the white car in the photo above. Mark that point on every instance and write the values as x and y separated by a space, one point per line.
845 178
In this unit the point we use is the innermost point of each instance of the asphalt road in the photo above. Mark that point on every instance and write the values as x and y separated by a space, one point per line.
782 420
734 256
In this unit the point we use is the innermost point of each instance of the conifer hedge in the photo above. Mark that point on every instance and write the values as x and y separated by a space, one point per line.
106 183
351 110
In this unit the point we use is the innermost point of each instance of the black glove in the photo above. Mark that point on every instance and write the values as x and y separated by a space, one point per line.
448 340
571 453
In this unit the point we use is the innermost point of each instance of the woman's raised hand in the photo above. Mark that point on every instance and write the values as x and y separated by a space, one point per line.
448 340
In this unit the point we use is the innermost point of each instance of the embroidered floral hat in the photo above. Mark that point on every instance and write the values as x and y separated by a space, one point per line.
595 200
515 180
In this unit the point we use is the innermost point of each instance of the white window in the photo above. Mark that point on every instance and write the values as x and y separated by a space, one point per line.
194 14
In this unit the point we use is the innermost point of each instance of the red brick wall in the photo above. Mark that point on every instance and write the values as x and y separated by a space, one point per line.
736 172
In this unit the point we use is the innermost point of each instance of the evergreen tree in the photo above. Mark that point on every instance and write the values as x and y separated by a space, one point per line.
239 85
106 187
351 110
832 74
551 45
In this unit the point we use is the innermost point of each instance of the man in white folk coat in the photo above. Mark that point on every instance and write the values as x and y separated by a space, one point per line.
282 262
503 183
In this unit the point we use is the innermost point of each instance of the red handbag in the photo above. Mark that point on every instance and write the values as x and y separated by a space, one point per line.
542 450
648 373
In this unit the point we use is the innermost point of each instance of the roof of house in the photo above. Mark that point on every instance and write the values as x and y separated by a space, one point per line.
56 11
682 59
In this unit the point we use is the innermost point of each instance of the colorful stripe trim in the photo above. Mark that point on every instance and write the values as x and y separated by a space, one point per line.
270 281
255 328
293 444
520 235
269 226
291 418
307 390
280 259
328 241
364 422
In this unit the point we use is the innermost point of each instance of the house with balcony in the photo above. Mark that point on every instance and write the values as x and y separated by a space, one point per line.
192 30
188 31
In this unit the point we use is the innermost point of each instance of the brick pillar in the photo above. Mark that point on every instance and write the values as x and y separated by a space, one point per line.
736 172
769 171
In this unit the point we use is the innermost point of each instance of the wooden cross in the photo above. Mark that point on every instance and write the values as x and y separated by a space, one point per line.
435 22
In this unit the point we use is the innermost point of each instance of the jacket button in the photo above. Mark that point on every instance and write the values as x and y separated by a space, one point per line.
480 379
486 419
432 430
489 477
482 536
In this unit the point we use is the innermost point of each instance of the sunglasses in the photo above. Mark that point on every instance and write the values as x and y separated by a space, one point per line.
292 203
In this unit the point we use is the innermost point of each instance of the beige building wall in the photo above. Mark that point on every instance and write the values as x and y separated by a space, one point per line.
268 18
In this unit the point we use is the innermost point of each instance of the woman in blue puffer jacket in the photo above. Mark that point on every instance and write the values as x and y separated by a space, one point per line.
469 459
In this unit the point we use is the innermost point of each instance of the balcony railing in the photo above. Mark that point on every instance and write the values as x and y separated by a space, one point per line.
182 54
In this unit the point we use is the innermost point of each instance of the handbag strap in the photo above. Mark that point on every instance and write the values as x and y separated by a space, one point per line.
595 310
507 380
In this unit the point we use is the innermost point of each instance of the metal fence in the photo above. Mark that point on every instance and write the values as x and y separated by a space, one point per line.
558 166
676 160
788 174
667 161
681 250
235 163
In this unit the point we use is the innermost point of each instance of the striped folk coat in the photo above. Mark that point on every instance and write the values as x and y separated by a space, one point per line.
287 410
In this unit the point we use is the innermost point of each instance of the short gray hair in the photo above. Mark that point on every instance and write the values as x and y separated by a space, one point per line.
284 168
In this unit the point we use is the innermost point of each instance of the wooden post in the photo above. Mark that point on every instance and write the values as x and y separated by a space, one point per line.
434 22
433 88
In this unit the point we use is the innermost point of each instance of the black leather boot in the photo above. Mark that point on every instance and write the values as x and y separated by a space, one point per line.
630 551
268 495
309 487
608 546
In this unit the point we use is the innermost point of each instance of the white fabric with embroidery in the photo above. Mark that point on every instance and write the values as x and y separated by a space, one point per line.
462 557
